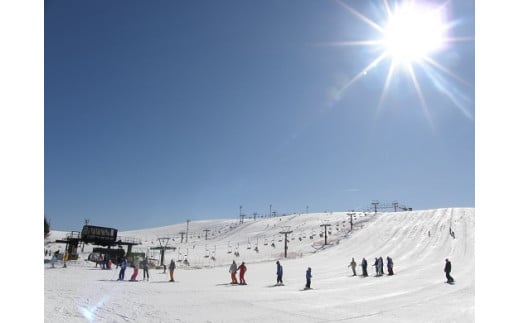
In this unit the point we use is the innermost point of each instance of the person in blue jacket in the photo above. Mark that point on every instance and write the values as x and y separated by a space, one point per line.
124 263
390 266
308 275
279 273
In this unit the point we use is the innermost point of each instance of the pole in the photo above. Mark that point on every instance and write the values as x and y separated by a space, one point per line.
325 227
187 227
375 203
285 233
395 204
351 222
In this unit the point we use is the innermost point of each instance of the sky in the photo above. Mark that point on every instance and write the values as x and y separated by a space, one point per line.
416 292
160 112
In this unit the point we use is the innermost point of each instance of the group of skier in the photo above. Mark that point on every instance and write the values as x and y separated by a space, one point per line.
233 269
242 271
378 264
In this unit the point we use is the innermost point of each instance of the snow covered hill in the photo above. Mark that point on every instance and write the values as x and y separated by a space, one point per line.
418 242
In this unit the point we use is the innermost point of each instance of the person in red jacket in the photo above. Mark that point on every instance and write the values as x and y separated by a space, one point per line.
242 270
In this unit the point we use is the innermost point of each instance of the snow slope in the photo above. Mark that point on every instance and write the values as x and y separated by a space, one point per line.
416 293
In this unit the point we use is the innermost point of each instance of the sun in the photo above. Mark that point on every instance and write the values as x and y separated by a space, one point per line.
413 32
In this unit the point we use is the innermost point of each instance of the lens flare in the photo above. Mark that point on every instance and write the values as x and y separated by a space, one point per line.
412 32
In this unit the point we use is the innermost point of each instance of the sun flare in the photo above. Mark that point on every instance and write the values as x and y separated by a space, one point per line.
413 32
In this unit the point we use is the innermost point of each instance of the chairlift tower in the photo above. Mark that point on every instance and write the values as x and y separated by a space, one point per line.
285 232
241 215
375 203
396 205
187 227
325 228
351 222
206 231
163 242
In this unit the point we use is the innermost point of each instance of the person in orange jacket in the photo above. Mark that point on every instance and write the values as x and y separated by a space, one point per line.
242 271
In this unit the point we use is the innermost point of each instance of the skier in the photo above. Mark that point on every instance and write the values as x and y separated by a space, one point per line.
145 269
308 276
353 265
390 266
376 264
53 260
279 273
242 268
172 268
135 273
123 265
381 266
364 265
233 271
447 270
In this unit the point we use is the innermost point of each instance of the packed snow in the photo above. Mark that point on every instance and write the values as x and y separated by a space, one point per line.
417 241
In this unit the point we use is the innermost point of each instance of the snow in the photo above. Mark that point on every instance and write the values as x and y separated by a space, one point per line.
82 292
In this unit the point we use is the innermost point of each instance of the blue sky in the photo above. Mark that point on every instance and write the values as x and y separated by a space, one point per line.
158 112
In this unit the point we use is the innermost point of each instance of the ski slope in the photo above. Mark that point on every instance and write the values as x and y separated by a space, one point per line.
416 293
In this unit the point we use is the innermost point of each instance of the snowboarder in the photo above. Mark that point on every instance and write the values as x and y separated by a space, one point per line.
172 268
364 265
242 271
135 273
390 266
447 270
353 265
145 269
233 271
123 265
308 276
279 273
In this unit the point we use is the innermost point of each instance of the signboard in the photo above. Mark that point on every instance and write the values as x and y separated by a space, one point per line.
98 235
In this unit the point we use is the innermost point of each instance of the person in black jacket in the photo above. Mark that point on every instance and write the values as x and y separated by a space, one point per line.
364 267
447 270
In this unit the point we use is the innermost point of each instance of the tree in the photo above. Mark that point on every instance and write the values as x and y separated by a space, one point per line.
46 227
